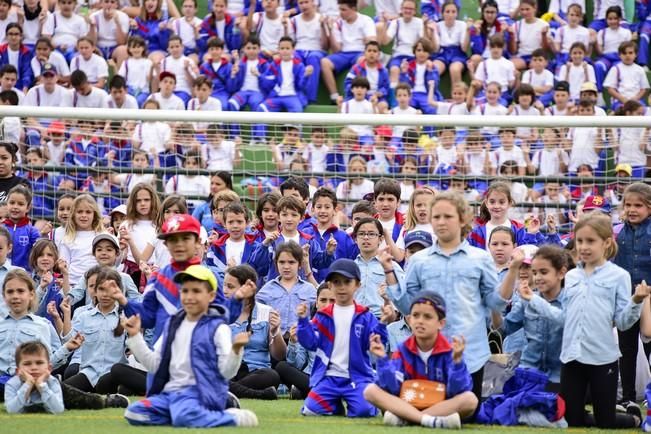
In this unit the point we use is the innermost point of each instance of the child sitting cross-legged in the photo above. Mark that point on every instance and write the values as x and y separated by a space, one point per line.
426 381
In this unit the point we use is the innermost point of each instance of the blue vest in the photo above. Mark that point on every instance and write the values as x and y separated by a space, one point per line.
212 386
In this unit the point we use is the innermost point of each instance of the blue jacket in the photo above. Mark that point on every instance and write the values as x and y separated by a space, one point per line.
42 205
525 390
219 76
346 247
203 355
232 37
359 70
319 335
406 364
477 237
216 256
25 73
263 256
274 79
433 75
161 299
237 82
634 251
150 31
23 236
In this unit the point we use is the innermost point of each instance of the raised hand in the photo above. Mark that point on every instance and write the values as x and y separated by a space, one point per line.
385 258
331 246
76 342
376 347
271 238
642 291
65 307
274 322
301 310
46 279
551 224
240 341
293 337
524 290
458 345
52 310
517 258
532 223
388 313
132 324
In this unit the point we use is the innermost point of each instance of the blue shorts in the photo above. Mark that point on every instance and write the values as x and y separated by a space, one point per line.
449 55
327 397
107 51
526 58
397 60
344 60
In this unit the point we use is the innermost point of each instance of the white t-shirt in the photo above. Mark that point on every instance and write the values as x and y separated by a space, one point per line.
352 36
56 152
548 161
545 78
135 72
251 81
446 157
37 96
453 108
185 185
32 29
490 227
316 157
583 147
307 34
287 87
234 251
353 106
419 78
152 136
566 36
55 59
557 6
65 31
218 157
576 77
610 39
177 67
128 181
269 30
95 67
129 102
211 104
489 110
529 36
12 17
627 79
173 102
348 190
500 155
405 35
142 232
340 358
602 6
398 130
452 36
78 253
629 151
553 110
519 111
97 98
185 30
391 7
106 29
500 70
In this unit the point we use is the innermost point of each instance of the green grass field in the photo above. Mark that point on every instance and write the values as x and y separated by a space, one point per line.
280 416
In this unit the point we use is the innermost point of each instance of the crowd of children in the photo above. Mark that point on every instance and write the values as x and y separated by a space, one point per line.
400 314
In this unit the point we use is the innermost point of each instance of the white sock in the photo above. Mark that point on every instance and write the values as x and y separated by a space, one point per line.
428 421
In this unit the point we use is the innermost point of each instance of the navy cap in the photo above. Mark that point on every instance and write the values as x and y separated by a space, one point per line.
432 298
48 68
562 86
346 267
418 237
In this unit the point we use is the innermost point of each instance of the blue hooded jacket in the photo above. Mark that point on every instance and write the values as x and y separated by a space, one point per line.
23 236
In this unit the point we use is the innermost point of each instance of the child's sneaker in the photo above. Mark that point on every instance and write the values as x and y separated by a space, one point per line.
243 417
295 393
116 400
391 419
452 421
232 401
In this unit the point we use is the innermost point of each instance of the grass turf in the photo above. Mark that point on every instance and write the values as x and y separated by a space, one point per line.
280 416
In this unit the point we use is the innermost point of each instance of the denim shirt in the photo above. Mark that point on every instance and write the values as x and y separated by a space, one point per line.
14 332
590 307
49 399
543 337
256 352
130 290
299 357
634 251
398 332
100 350
285 302
372 273
467 281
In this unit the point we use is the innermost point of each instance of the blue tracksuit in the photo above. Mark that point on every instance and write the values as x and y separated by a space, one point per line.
360 70
220 77
328 391
231 36
406 364
217 257
23 236
198 406
81 153
419 99
25 73
477 237
346 247
151 32
240 98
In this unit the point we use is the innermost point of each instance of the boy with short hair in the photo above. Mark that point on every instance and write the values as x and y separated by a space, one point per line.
324 208
358 104
183 68
298 188
16 53
626 80
166 96
186 389
496 69
236 246
216 22
561 106
85 95
508 151
290 210
428 357
418 73
8 80
376 74
203 101
33 388
585 143
119 96
387 199
217 68
539 77
341 333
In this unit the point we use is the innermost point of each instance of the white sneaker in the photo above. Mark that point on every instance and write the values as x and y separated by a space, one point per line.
391 419
452 421
243 417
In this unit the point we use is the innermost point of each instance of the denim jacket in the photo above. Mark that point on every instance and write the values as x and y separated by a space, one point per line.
634 251
590 307
285 302
256 352
467 281
543 337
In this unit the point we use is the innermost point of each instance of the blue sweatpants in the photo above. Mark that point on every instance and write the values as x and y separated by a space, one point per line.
325 399
645 36
601 67
312 57
180 408
289 103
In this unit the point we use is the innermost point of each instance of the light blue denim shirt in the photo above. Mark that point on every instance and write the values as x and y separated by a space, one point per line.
398 332
542 337
299 357
79 292
50 398
256 352
28 328
285 302
101 349
372 273
591 305
467 281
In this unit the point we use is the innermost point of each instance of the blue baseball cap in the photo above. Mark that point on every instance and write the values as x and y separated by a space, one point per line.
418 237
432 298
345 267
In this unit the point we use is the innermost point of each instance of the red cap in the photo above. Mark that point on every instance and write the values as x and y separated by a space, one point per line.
56 127
384 131
180 224
166 74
